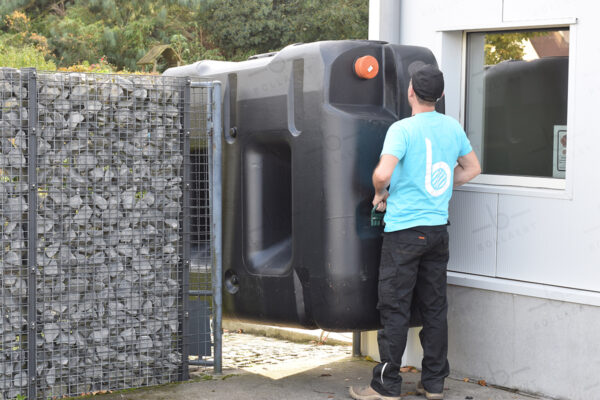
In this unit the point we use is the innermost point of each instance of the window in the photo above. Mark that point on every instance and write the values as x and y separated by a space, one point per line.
516 101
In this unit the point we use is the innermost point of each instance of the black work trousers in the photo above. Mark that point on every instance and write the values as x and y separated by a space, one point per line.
413 268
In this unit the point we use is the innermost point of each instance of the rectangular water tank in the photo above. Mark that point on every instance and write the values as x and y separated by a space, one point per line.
303 133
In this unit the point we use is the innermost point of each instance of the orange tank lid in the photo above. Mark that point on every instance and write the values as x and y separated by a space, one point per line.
366 67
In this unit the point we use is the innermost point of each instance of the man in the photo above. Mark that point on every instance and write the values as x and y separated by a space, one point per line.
416 163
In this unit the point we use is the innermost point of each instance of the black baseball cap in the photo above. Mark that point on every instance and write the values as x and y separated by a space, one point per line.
427 80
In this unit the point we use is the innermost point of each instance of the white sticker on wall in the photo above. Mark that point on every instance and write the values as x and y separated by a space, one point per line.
559 155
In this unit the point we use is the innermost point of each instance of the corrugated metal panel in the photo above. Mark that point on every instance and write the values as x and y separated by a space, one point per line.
473 233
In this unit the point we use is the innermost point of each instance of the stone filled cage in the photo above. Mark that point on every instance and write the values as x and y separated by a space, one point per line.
104 211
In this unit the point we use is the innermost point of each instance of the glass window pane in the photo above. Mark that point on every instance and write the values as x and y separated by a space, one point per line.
516 111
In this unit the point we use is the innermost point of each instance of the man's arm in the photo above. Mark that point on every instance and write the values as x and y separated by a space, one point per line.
381 180
467 168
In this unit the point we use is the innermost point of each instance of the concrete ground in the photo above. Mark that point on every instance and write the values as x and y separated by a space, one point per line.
329 381
258 367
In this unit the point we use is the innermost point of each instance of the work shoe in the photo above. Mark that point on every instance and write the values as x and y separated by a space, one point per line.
368 393
429 396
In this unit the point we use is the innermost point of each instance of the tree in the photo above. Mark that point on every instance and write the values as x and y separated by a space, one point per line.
27 6
83 31
506 46
241 28
122 32
245 27
340 19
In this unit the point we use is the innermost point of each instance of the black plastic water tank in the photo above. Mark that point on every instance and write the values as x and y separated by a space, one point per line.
303 134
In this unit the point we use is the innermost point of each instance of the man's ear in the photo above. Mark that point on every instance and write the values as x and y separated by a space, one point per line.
411 91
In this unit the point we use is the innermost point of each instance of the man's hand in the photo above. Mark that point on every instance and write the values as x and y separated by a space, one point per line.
381 180
380 200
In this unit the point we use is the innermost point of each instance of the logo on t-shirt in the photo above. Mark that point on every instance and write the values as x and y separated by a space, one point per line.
437 176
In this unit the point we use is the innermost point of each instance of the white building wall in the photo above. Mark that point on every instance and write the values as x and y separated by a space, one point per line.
383 18
535 345
543 236
536 243
548 236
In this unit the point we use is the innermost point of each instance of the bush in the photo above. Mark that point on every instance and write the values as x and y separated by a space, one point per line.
24 57
19 48
102 67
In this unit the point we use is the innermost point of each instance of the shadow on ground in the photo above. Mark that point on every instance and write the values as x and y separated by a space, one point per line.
328 381
265 368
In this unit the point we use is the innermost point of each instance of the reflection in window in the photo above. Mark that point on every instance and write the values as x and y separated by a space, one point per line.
516 112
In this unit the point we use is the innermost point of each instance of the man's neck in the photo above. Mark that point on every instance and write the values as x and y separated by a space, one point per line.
419 108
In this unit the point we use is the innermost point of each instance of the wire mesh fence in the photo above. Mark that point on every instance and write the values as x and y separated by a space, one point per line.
99 230
197 230
15 213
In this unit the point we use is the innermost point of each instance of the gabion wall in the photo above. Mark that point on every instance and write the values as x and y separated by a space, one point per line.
14 214
107 264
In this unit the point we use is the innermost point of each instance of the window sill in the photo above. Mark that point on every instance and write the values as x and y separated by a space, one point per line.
521 181
524 288
519 186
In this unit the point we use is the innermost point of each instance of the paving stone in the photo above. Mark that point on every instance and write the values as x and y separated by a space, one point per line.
244 350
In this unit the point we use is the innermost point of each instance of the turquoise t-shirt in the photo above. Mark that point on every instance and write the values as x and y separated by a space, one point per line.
427 146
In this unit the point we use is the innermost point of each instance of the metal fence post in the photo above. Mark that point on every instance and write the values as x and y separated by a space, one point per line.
356 344
186 224
32 229
216 204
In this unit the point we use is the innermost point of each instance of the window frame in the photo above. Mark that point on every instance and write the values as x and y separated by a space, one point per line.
450 42
514 184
